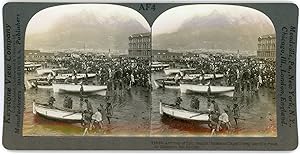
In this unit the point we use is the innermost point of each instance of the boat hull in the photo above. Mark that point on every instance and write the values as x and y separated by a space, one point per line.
183 114
40 84
203 89
72 88
57 114
158 84
169 71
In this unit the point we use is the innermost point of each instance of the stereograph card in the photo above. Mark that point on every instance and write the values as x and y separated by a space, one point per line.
150 76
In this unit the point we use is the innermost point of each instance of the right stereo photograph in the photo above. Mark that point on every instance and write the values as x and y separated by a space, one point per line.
213 72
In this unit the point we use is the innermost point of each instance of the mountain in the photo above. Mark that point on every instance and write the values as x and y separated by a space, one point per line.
216 31
85 28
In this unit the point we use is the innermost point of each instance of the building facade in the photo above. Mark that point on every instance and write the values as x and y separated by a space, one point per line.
37 55
267 47
165 55
140 45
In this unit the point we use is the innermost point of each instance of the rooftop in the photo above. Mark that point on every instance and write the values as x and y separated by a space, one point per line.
267 36
140 35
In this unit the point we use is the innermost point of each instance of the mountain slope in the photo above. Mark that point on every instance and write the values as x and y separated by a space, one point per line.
216 31
73 31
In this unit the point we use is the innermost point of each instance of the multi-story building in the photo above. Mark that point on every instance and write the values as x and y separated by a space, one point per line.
36 55
267 47
140 45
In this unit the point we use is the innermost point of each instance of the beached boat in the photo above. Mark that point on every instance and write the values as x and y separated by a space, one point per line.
78 76
28 66
158 66
56 113
72 88
214 90
42 84
169 82
169 71
184 114
206 76
49 70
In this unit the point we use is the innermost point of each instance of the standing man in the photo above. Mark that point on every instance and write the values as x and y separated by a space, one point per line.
224 119
236 114
97 119
51 101
81 91
109 111
89 106
178 102
197 103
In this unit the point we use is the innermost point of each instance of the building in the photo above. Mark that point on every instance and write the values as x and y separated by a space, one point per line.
37 55
267 47
165 55
140 45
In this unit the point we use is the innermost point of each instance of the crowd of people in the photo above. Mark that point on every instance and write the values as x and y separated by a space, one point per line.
121 72
247 75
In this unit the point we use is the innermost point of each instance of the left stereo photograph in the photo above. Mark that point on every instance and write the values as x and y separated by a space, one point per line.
81 72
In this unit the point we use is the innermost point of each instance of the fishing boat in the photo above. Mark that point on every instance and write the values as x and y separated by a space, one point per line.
75 88
214 90
169 71
183 114
54 113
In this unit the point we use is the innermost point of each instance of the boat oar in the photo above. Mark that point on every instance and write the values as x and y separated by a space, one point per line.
113 117
70 114
195 115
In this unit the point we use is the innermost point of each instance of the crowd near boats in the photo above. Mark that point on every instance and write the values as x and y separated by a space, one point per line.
211 77
87 75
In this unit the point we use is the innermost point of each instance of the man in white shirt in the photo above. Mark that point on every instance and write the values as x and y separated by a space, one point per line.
224 119
97 119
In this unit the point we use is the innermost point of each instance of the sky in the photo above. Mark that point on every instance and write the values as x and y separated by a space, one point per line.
44 19
172 19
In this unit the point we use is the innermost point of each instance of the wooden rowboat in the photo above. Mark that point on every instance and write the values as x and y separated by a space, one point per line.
214 90
184 114
169 71
39 83
54 113
72 88
49 70
169 84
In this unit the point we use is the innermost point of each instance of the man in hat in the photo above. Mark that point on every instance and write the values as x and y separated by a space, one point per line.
178 102
65 105
215 107
51 101
192 105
